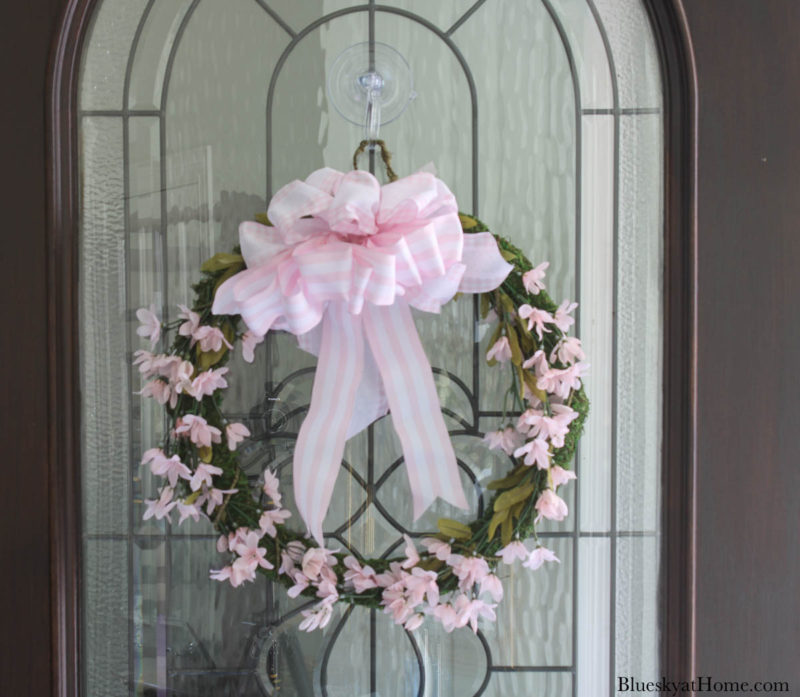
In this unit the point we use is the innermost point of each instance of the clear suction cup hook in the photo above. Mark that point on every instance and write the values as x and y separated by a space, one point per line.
370 85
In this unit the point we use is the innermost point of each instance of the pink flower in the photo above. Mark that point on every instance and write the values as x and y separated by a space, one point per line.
327 591
146 361
394 575
414 622
208 382
441 550
210 338
536 318
469 570
562 318
493 586
296 549
271 484
162 507
421 584
561 381
214 497
532 280
553 427
161 391
559 475
150 324
507 439
535 451
412 557
171 468
538 557
188 510
198 430
500 351
314 560
203 475
513 550
301 582
250 554
269 519
551 506
235 433
360 578
568 350
447 615
249 343
189 327
538 361
317 617
242 573
469 611
223 574
287 565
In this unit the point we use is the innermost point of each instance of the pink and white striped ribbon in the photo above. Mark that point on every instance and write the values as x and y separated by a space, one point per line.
341 268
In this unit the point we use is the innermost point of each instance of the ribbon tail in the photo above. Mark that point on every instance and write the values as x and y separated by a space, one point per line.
320 442
416 413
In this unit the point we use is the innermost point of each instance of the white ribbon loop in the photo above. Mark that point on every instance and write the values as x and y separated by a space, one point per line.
354 268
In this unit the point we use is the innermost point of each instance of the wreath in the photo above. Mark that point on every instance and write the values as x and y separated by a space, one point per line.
455 577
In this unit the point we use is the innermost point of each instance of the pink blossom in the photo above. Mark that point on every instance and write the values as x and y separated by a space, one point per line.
222 543
559 475
536 318
249 342
188 510
301 582
223 574
532 280
414 622
171 468
507 439
421 584
562 317
198 430
269 519
469 611
513 550
250 554
326 589
412 557
214 497
241 573
441 550
270 488
287 565
551 506
150 324
535 451
189 327
146 361
500 351
161 391
561 381
203 475
360 578
396 604
568 350
208 382
210 338
493 586
469 570
296 549
313 561
538 557
553 427
162 507
317 617
538 361
447 615
394 575
235 433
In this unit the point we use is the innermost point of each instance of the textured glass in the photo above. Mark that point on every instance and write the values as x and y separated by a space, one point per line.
635 52
539 151
105 621
106 55
105 367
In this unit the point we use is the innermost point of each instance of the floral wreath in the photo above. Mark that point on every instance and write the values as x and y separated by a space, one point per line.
455 578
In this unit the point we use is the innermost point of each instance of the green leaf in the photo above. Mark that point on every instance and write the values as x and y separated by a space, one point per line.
508 256
485 305
467 221
454 529
263 219
206 359
506 530
221 260
533 386
510 480
496 520
512 496
513 342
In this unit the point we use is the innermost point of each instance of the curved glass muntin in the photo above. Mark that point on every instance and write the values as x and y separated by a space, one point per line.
171 163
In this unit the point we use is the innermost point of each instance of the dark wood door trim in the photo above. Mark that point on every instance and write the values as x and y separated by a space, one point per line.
678 550
680 339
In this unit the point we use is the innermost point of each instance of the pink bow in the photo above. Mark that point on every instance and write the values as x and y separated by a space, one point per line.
343 264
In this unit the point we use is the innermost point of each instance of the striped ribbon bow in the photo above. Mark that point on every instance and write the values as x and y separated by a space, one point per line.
341 267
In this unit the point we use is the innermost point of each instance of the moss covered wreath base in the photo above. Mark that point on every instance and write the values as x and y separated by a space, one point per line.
455 576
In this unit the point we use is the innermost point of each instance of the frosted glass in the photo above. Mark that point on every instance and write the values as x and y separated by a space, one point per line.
534 684
635 52
105 598
594 616
104 316
442 15
105 57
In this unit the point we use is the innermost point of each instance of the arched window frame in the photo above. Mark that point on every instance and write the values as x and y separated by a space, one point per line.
677 612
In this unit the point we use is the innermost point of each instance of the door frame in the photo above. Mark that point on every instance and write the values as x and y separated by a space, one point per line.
677 592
